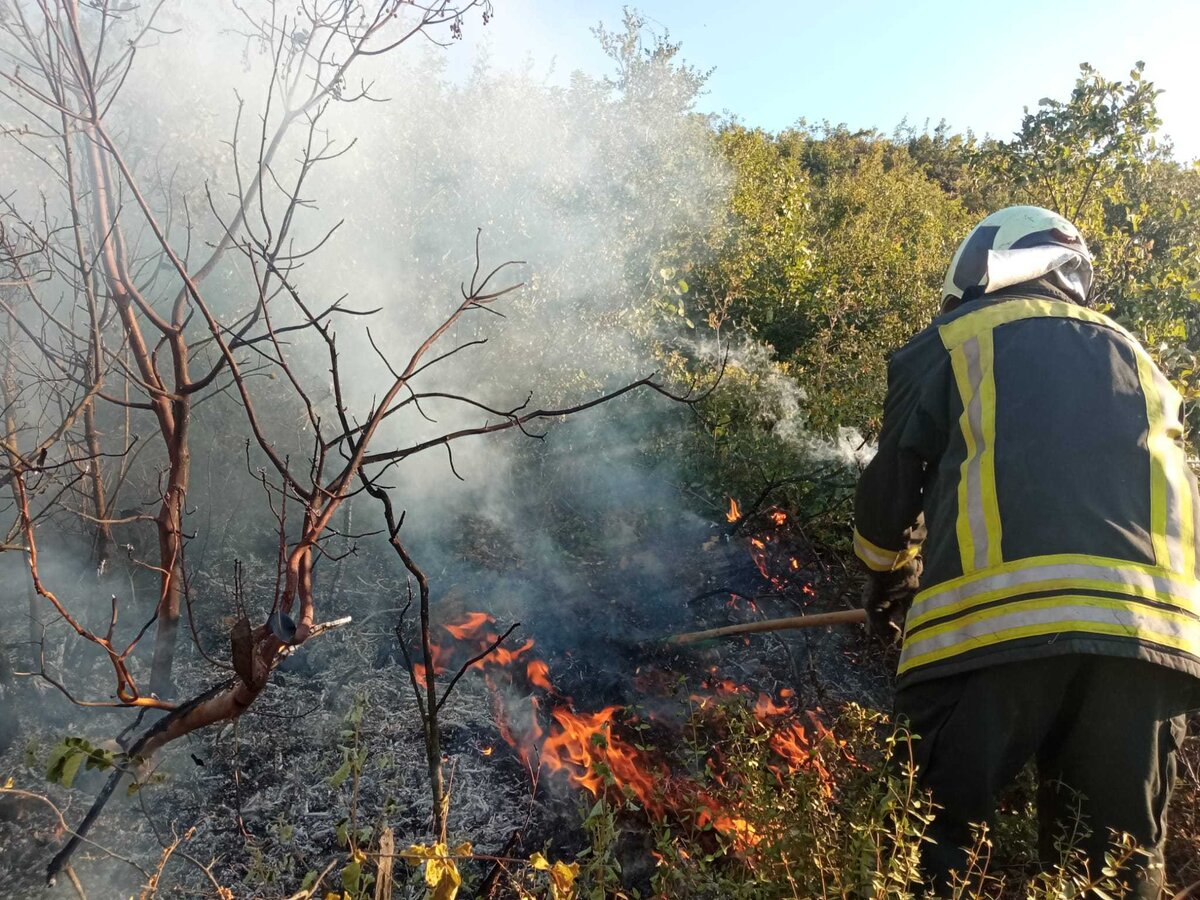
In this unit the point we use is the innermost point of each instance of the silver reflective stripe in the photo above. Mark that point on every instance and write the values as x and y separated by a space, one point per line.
1175 509
974 473
1180 526
1173 630
929 604
871 556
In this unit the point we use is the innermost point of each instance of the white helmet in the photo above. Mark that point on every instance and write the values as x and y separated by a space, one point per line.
1015 245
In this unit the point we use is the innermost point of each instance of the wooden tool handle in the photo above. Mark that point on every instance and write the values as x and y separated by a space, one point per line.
842 617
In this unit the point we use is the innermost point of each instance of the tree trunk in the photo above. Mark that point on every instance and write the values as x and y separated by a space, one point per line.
170 545
104 537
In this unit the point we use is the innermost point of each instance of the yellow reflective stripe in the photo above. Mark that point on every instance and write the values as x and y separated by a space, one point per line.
1156 433
1014 310
1187 519
920 615
977 527
1171 516
966 540
1038 562
1030 574
1087 615
1062 605
1172 523
987 457
879 560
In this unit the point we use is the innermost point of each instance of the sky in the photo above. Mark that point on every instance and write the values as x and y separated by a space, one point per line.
872 63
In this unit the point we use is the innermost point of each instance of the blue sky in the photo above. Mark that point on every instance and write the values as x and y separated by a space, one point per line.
871 64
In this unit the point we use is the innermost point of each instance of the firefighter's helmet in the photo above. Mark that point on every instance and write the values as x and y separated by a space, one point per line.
1015 245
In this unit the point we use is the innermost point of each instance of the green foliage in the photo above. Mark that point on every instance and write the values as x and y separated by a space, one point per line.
600 869
1094 159
883 234
71 754
833 246
848 822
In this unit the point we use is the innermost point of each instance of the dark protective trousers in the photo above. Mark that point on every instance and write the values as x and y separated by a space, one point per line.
1103 731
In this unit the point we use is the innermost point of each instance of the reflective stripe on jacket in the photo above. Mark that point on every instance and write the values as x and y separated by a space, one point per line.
1045 448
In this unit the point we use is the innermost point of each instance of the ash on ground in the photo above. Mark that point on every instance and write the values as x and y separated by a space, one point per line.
263 796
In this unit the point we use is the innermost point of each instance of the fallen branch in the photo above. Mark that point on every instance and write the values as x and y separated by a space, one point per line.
222 702
843 617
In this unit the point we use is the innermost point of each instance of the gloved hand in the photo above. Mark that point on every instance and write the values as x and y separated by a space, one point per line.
887 597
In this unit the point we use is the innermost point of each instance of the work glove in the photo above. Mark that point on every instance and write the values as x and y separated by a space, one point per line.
888 595
886 598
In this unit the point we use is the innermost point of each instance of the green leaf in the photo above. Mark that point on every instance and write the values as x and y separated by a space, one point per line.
351 876
71 768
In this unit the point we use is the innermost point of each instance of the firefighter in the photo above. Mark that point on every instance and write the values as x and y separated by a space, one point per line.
1030 521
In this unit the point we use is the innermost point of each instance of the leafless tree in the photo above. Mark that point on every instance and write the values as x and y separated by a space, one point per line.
139 334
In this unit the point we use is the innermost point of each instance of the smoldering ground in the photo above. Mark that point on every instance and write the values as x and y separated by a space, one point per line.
588 538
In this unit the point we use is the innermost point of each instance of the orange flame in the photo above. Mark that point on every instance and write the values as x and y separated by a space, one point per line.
778 516
539 674
765 708
468 628
792 744
743 833
735 511
502 656
583 746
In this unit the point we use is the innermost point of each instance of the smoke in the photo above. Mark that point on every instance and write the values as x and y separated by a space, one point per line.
593 188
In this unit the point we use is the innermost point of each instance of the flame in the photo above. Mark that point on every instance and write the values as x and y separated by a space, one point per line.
468 628
743 833
765 708
585 749
539 674
735 511
502 656
792 745
727 686
778 516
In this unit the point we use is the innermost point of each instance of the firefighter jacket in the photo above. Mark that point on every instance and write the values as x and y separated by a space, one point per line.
1045 449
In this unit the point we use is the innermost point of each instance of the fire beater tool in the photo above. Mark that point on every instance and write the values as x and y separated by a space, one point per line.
842 617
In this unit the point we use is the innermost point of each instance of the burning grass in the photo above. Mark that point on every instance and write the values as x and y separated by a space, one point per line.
731 770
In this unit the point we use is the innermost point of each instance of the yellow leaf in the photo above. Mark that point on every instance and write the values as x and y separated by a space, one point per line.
562 876
417 852
441 871
562 881
442 879
8 784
